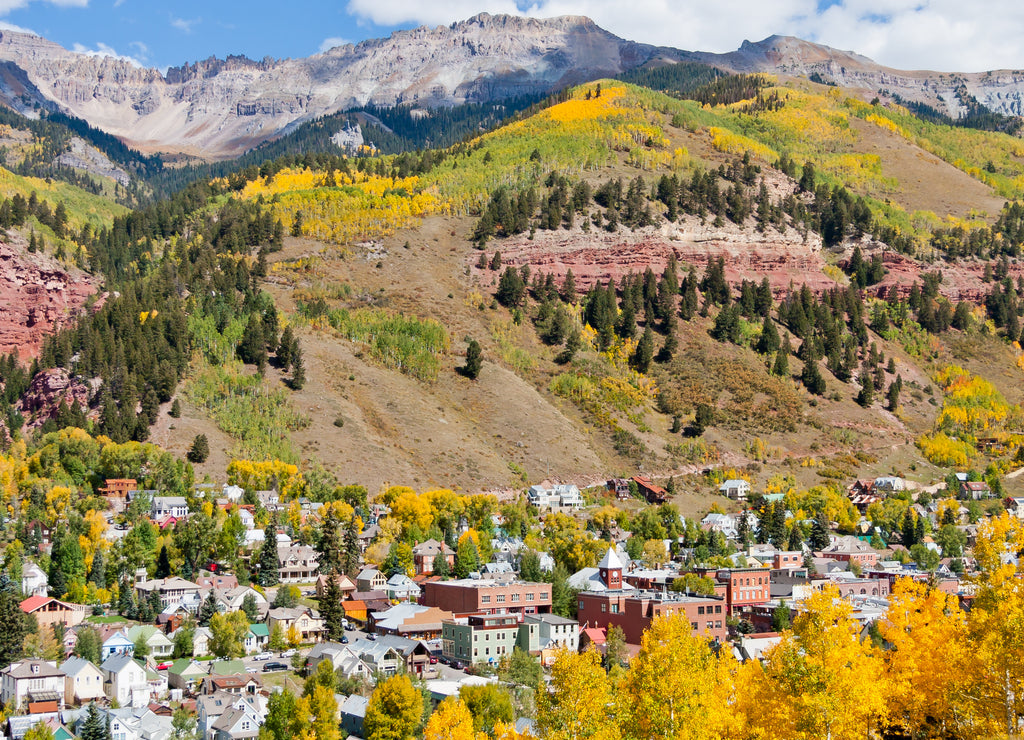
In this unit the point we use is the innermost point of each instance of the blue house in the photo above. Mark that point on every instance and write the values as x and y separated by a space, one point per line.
117 644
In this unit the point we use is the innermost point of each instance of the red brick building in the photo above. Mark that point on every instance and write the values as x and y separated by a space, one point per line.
745 586
470 596
634 611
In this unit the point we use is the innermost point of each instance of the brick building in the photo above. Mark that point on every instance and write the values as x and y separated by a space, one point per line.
470 596
633 611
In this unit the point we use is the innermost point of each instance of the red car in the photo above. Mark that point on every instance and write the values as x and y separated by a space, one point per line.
433 660
163 666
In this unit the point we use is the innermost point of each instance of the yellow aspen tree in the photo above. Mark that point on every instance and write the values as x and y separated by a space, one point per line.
394 710
821 682
579 703
451 721
673 688
925 660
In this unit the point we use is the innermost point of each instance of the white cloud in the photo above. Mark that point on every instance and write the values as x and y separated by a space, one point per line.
330 43
104 50
944 35
184 24
5 26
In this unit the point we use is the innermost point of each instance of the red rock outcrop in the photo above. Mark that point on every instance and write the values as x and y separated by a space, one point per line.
51 388
37 296
597 255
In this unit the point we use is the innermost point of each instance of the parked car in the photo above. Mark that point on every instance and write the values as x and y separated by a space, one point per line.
163 666
274 665
371 637
457 665
289 653
433 660
344 639
263 656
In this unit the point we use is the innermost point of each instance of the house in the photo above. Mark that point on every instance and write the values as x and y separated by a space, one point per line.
848 548
554 497
735 488
745 586
654 494
257 638
171 591
241 721
298 564
126 680
212 707
238 683
401 587
83 681
1015 506
218 581
345 584
37 684
185 674
353 713
306 621
116 491
425 553
232 493
389 653
168 506
975 490
157 642
49 612
342 659
555 632
890 484
117 644
410 620
371 579
33 580
620 487
231 599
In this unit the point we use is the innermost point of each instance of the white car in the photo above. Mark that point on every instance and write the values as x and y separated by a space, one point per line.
263 656
289 653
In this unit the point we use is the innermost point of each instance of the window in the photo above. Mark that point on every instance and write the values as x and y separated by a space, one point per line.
615 608
700 609
693 625
485 599
718 609
515 597
604 607
529 597
581 604
718 624
500 598
245 725
709 625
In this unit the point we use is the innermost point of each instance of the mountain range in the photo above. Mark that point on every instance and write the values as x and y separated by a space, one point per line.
220 108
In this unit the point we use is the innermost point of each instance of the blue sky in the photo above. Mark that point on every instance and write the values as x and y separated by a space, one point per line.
945 35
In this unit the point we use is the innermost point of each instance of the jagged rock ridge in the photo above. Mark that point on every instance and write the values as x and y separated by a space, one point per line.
222 107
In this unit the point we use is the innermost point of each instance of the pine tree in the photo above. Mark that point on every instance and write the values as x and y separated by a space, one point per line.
298 369
13 621
175 411
569 287
440 566
820 529
200 449
251 608
473 360
867 390
350 559
644 352
284 348
163 564
328 546
269 563
331 610
207 609
94 727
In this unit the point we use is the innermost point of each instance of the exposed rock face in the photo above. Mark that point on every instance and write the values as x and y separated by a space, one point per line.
81 155
1001 91
222 107
48 390
598 255
37 296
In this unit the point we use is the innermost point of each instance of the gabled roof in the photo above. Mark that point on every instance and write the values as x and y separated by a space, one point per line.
32 603
260 630
75 665
118 662
24 669
354 706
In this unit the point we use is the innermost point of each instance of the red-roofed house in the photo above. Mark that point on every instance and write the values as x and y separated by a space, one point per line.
49 611
654 494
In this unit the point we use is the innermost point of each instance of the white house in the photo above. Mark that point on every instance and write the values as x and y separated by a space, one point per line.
126 681
555 632
33 580
83 681
157 642
165 506
32 681
232 493
401 587
735 488
559 496
116 644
